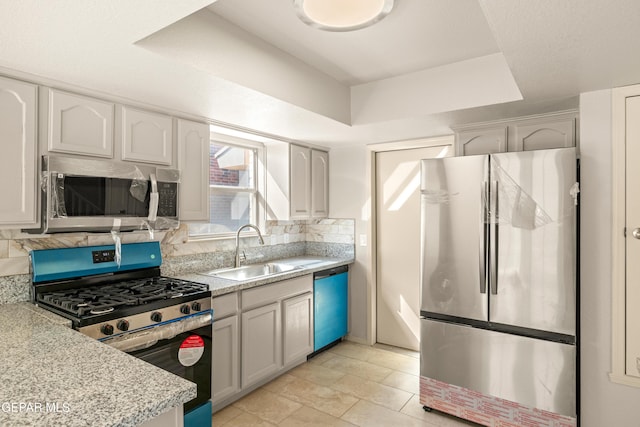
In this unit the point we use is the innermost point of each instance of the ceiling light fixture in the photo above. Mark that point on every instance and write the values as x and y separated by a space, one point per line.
342 15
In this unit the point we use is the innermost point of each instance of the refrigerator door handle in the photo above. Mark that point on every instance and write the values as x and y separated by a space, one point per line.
494 224
484 236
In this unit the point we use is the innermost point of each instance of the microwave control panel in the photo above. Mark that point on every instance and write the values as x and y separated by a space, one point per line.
168 199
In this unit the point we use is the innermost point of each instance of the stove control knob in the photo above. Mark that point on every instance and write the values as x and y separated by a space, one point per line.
123 325
196 306
185 309
156 316
106 329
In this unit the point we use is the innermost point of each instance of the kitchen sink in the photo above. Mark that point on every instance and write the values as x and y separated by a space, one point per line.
252 271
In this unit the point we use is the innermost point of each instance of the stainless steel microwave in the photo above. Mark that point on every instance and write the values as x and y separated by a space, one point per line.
105 195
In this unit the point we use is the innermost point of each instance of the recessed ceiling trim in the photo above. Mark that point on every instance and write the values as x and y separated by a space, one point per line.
342 15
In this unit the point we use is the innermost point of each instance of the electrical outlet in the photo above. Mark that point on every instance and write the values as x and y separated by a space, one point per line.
363 240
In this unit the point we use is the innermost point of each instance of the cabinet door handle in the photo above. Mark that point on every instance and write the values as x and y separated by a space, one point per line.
636 233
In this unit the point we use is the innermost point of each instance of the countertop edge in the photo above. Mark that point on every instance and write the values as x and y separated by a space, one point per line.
40 332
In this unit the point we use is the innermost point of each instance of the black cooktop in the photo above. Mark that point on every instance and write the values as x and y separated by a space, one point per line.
116 297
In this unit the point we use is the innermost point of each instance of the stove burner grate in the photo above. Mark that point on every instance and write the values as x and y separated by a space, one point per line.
107 298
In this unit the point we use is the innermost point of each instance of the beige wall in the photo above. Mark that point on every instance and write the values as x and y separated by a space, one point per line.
350 198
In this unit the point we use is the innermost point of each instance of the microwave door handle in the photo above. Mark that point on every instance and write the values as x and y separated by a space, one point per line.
153 198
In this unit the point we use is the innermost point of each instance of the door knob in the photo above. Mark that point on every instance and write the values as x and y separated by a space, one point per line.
636 233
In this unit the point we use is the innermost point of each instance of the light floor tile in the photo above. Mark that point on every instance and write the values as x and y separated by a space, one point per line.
325 399
248 420
321 393
358 368
380 394
407 382
225 415
309 417
321 358
277 385
353 350
404 351
317 374
367 414
414 409
267 405
398 362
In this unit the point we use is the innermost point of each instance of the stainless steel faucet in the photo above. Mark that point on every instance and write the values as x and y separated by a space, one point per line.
260 240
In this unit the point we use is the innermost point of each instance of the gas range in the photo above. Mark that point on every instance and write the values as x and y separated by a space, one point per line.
116 294
105 300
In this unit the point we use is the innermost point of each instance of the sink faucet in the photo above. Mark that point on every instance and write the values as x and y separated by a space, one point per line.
260 240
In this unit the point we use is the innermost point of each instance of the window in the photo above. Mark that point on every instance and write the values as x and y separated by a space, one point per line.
234 188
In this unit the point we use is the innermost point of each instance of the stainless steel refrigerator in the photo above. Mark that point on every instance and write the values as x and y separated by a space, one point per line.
498 291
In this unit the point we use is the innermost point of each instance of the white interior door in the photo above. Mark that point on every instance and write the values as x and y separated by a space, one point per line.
398 243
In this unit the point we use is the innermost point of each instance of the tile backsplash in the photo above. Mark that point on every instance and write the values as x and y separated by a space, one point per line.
328 237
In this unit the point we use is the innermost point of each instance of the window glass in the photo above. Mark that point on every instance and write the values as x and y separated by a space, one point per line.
233 190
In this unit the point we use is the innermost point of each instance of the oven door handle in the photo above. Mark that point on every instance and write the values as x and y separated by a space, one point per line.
138 340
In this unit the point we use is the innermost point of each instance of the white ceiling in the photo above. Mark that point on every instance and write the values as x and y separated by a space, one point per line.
428 65
417 35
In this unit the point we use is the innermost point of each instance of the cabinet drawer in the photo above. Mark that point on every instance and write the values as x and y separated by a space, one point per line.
224 305
267 294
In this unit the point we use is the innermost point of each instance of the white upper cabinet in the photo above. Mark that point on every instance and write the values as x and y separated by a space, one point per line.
319 184
77 124
300 165
19 155
484 140
146 137
193 162
541 134
554 130
297 182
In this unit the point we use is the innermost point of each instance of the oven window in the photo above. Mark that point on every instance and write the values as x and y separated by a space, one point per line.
95 196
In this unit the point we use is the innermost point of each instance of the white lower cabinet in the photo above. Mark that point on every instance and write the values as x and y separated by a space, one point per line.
258 334
261 343
225 366
297 325
226 363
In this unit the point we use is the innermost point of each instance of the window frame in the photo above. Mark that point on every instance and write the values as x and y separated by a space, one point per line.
258 213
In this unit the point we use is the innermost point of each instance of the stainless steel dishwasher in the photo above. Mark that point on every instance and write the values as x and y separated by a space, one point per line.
331 301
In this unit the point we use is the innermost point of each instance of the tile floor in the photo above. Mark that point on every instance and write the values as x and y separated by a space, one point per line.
347 385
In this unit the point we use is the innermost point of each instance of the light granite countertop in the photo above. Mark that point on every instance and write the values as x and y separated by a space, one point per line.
307 264
52 375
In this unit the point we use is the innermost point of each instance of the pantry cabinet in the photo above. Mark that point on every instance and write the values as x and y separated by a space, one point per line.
555 130
193 161
146 136
76 124
18 126
626 236
298 182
